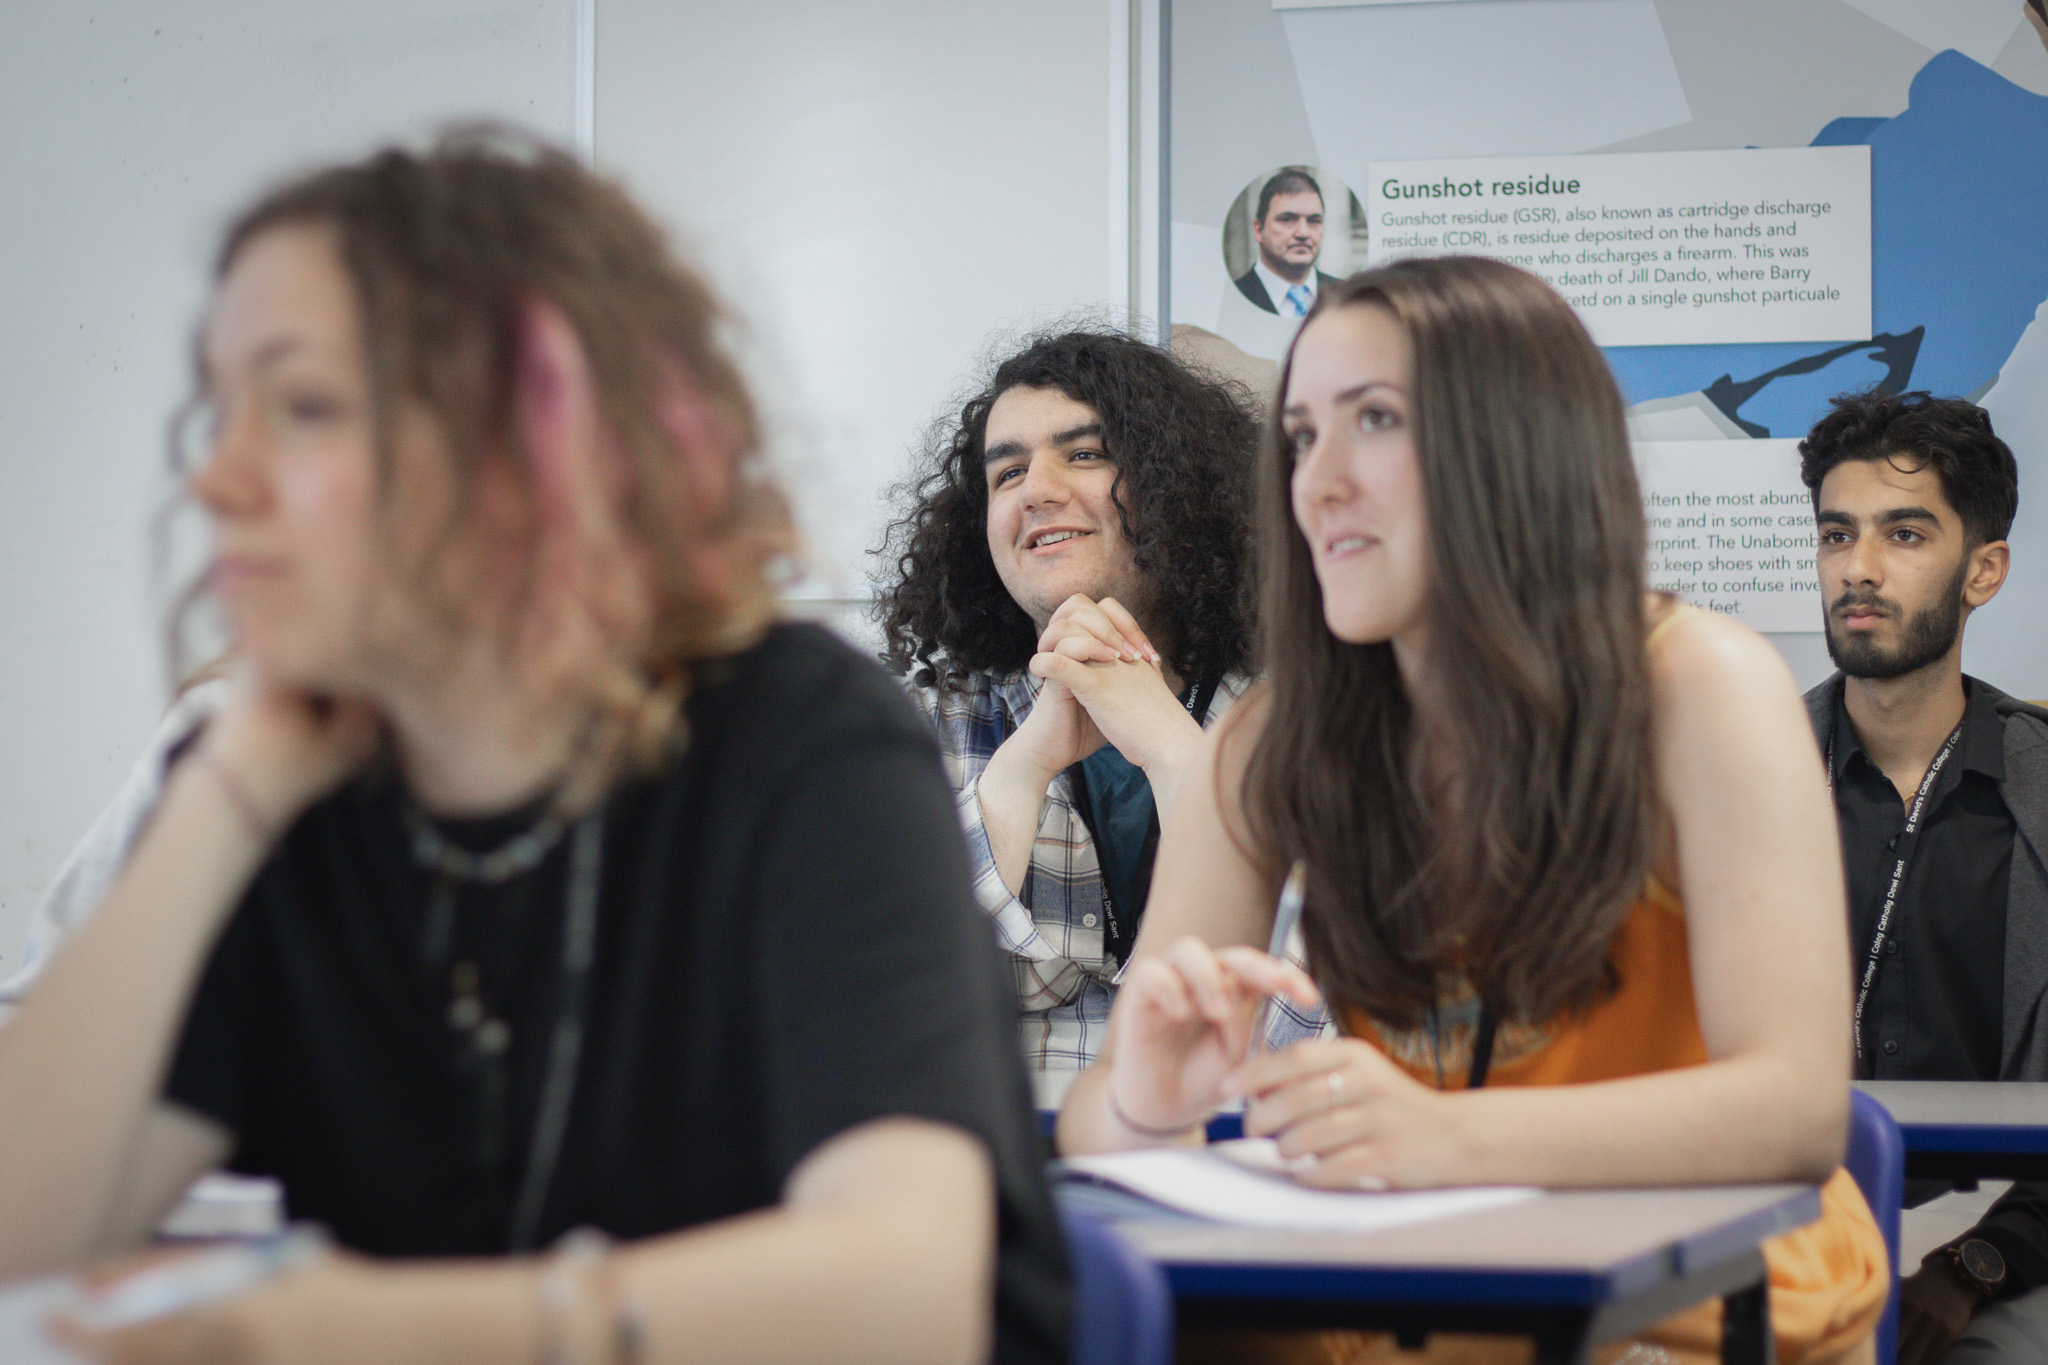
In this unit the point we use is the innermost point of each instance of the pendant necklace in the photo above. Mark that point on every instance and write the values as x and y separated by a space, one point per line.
488 1037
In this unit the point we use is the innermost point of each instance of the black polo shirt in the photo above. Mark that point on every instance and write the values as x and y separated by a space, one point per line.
1936 1009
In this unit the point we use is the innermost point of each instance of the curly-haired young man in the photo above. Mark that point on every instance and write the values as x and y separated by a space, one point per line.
1070 602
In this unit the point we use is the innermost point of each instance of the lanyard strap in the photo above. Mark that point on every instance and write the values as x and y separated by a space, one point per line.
1482 1047
565 1048
1907 842
565 1043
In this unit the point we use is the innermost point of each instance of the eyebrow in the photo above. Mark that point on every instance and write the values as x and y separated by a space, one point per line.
274 350
1004 450
1891 516
266 355
1355 391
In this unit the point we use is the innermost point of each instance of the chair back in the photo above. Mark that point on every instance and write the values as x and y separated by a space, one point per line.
1877 1162
1123 1311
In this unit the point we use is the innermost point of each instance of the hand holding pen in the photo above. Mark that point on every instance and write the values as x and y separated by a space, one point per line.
1344 1116
1189 1016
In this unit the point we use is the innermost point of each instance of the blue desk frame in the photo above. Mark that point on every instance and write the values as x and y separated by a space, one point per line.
1694 1245
1969 1130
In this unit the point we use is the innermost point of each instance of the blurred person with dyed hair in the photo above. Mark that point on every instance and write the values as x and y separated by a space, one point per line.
531 878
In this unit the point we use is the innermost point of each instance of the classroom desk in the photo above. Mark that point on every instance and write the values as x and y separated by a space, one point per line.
1570 1268
1969 1130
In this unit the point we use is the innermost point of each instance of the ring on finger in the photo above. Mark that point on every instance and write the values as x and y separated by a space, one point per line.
1336 1083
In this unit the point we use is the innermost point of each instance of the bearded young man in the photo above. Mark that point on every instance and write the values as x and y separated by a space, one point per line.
1069 598
1948 915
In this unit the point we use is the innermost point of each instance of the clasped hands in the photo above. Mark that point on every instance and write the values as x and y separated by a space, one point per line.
1344 1116
1105 682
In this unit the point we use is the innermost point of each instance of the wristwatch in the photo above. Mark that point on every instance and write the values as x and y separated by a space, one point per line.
1980 1264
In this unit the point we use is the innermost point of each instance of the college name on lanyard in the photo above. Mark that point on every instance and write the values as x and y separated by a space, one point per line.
1908 841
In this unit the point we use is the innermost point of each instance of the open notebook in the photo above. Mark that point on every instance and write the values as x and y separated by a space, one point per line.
1246 1182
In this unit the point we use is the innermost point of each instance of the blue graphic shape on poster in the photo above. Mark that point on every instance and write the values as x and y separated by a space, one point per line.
1959 194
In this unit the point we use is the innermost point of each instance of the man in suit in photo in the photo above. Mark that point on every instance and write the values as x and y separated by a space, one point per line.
1289 234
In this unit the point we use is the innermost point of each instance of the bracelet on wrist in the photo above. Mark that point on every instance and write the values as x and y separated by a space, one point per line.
578 1279
1116 1112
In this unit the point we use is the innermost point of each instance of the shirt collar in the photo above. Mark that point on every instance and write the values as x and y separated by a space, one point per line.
1982 747
1980 750
1276 288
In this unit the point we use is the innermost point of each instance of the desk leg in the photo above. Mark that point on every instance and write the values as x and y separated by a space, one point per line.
1565 1340
1746 1326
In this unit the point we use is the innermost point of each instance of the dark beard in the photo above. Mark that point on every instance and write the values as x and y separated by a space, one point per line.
1929 635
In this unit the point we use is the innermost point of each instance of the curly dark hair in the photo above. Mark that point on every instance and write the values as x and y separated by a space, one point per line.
1183 446
1977 471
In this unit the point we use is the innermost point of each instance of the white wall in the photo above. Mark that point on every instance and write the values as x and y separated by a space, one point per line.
879 188
132 131
876 187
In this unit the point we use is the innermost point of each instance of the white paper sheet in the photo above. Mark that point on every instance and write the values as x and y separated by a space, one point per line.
1246 1182
24 1307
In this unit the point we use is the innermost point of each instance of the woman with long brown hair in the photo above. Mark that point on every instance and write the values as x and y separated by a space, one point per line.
531 878
1574 897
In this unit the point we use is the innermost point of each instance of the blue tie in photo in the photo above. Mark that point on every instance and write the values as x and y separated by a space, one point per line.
1297 301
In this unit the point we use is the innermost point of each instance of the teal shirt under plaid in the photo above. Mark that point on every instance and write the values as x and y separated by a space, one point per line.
1054 931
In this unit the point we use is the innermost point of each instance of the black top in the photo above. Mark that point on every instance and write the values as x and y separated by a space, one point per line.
1936 1009
1114 798
786 947
1117 806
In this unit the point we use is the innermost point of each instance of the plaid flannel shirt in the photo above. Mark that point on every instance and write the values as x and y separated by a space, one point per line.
1054 931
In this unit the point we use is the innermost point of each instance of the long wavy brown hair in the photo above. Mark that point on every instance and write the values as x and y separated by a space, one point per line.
509 294
1515 873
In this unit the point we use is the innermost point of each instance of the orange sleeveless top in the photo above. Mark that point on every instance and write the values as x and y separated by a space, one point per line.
1829 1279
1648 1024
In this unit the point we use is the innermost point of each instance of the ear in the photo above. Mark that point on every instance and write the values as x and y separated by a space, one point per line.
1988 565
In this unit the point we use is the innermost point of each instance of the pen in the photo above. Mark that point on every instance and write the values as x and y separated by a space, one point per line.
1285 917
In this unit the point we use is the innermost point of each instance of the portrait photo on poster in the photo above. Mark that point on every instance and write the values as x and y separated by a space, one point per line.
1282 243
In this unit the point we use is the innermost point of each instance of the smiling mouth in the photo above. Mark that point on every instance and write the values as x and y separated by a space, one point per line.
1046 540
1345 545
